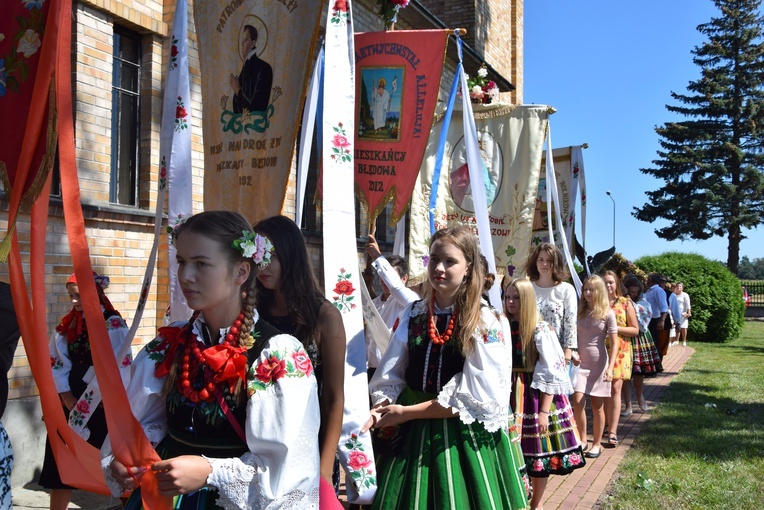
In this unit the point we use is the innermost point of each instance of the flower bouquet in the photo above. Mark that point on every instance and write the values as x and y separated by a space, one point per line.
388 9
482 90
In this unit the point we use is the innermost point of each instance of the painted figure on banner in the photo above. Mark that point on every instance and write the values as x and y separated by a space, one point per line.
459 178
252 87
380 110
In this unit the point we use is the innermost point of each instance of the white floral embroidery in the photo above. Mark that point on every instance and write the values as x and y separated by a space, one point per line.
491 414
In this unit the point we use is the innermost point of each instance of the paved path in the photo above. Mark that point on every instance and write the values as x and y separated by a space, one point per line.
582 488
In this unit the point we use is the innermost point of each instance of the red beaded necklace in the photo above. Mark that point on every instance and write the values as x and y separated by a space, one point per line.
433 330
193 358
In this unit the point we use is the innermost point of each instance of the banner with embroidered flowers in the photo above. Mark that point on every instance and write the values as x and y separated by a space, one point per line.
511 142
28 119
342 274
398 76
256 59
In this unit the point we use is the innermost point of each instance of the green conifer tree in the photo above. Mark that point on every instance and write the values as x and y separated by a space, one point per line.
713 162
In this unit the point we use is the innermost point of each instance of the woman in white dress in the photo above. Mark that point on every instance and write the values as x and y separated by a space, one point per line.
684 305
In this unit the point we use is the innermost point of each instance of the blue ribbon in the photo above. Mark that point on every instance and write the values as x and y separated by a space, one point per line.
444 134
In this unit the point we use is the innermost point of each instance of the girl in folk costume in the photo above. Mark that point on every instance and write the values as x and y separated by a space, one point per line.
596 322
71 359
647 361
540 385
230 402
626 319
292 301
441 393
556 299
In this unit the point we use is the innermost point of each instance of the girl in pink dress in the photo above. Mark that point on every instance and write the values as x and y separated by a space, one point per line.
596 322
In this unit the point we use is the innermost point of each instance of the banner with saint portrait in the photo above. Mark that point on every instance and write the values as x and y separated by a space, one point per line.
255 59
398 77
510 140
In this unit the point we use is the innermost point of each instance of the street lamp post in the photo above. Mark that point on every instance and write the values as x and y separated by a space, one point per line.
613 199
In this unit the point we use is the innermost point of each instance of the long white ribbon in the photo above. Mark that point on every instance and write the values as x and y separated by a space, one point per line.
341 273
553 198
306 136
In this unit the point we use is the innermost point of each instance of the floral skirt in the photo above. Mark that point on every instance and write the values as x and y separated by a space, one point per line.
556 452
622 368
647 361
446 464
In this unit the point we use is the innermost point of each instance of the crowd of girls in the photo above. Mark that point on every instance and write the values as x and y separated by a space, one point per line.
244 400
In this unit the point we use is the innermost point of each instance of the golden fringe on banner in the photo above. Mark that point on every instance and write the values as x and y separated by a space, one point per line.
31 195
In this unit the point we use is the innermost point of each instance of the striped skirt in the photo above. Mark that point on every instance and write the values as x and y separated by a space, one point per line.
647 361
445 464
556 452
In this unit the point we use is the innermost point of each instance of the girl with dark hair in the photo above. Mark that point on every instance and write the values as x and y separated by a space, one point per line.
626 319
647 360
229 401
556 299
540 385
71 359
291 300
441 393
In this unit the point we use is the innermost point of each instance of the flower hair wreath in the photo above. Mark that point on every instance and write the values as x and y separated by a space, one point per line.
254 246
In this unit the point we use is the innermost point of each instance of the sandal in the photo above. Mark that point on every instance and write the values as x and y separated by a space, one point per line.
612 442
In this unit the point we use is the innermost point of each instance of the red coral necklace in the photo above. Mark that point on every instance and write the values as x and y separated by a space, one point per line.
193 358
433 330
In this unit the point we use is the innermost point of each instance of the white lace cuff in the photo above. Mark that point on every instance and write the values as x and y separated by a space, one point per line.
111 483
389 392
236 481
491 414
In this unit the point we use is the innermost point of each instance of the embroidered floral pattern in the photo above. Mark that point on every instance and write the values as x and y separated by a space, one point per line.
280 364
180 115
556 464
359 465
341 145
163 173
55 363
156 349
343 292
174 53
28 39
172 229
78 415
492 335
339 12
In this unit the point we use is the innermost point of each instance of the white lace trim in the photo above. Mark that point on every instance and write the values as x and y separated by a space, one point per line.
237 482
389 392
115 489
492 414
155 433
553 388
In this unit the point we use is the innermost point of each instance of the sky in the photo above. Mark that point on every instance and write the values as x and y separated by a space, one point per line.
608 68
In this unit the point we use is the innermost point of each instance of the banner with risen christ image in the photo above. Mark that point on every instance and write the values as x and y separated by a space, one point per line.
397 82
255 59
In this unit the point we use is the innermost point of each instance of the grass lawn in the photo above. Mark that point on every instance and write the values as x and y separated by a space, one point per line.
703 447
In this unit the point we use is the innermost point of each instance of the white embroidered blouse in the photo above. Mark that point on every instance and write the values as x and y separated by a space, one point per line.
281 469
479 393
558 306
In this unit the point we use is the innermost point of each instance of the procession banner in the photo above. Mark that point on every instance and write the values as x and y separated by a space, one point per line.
510 139
255 60
568 166
398 77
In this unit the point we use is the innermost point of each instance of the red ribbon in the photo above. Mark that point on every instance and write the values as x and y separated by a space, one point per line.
229 363
171 341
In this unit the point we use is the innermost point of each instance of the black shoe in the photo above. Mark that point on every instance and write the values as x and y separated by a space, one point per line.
591 454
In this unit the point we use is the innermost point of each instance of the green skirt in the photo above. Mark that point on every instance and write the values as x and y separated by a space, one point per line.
444 464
